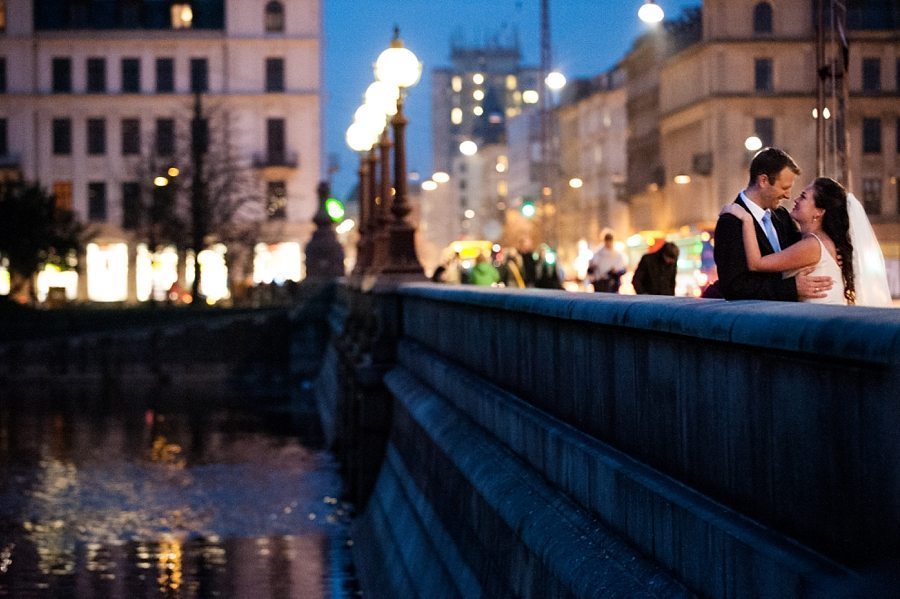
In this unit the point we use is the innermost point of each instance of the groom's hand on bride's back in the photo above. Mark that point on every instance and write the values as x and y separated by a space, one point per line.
810 287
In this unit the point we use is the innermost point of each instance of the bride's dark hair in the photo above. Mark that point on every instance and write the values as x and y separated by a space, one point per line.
832 197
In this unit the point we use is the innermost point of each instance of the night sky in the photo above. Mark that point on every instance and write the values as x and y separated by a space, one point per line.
588 37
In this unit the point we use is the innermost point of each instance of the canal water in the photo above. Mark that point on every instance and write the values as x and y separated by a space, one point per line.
176 496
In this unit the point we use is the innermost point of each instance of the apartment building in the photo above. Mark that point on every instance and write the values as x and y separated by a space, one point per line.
93 89
754 75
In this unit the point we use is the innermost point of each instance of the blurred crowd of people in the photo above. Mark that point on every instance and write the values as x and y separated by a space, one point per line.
521 266
527 265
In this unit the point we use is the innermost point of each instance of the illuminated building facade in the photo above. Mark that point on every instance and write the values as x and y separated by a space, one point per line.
754 74
89 85
472 101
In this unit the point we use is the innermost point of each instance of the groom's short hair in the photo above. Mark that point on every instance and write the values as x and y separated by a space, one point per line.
770 162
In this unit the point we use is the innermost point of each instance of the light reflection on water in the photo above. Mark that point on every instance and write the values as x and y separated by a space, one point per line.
143 501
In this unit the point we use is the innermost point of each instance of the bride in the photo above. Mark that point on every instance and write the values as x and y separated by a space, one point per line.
837 241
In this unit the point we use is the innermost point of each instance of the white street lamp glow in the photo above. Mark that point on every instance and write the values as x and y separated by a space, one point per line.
576 183
468 148
650 12
429 185
398 65
160 181
826 113
555 80
383 95
753 143
359 137
469 213
440 177
370 116
530 96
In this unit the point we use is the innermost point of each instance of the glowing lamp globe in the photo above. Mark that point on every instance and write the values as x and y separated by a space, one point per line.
370 116
398 66
359 138
383 95
555 80
650 12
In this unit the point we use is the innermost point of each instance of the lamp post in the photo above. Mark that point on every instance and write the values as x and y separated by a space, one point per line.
360 142
398 66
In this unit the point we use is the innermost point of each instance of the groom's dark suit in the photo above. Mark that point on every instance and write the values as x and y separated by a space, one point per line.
736 281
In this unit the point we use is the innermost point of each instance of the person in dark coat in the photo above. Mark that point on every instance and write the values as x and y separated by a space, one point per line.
655 273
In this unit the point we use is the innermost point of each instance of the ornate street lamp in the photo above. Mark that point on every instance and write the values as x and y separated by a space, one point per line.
399 67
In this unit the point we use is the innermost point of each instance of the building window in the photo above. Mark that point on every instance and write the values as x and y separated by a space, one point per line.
763 75
274 16
182 15
131 137
62 75
165 137
62 137
871 74
97 201
898 140
79 14
274 74
131 75
277 200
2 73
96 137
62 193
762 18
871 132
131 205
765 131
96 75
130 14
165 75
275 140
4 139
199 75
872 195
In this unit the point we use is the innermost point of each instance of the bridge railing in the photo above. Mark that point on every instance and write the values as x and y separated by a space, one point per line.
746 448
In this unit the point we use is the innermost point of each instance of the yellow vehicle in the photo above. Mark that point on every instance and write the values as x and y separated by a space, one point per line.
468 249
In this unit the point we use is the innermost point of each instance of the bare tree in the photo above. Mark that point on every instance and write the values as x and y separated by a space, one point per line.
205 191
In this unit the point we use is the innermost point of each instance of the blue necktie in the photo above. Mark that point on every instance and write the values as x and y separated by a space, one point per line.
770 231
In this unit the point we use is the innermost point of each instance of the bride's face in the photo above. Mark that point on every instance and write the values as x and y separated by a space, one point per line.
805 211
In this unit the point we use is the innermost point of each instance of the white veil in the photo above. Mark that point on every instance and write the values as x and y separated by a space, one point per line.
870 274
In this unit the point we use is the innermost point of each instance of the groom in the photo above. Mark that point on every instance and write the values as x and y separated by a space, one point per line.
772 174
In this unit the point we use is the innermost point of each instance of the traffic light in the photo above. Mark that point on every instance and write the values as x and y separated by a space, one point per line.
335 209
527 209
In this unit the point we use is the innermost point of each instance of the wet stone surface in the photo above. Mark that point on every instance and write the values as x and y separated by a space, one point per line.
171 497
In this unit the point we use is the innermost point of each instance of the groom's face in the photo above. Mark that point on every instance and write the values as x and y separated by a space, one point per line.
779 190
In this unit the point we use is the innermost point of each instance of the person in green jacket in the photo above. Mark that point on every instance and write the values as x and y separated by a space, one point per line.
484 273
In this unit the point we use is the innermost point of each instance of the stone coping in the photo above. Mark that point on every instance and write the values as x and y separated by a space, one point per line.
852 333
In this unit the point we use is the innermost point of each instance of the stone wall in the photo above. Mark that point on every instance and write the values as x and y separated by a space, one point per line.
549 444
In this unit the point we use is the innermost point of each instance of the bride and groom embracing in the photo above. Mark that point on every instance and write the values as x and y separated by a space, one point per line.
823 250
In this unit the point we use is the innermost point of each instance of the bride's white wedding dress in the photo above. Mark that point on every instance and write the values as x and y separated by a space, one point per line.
869 272
827 266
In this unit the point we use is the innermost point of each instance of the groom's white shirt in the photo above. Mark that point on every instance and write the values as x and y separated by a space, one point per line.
755 209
